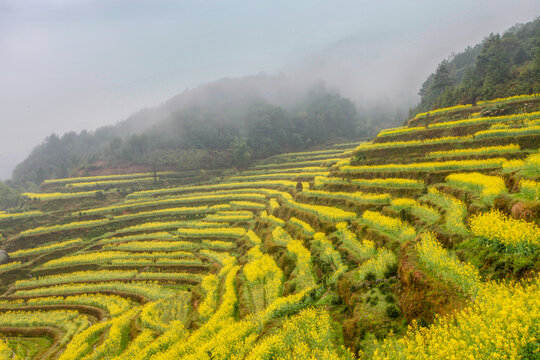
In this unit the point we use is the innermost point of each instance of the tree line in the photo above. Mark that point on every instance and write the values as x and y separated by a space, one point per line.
500 66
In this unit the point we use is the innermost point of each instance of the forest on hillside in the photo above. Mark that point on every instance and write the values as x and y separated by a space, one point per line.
500 66
218 130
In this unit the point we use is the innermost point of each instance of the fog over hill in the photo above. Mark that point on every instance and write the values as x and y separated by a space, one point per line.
69 66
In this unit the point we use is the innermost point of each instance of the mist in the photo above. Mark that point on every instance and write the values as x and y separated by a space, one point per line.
82 64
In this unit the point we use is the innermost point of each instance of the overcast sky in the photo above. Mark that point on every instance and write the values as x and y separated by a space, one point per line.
80 64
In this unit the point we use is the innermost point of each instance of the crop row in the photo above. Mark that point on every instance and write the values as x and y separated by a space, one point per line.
361 250
45 249
230 216
488 186
455 211
271 218
212 232
199 198
107 183
422 211
162 235
528 130
356 196
231 185
60 195
530 189
505 233
104 177
382 182
330 256
264 278
150 290
113 304
306 229
19 215
106 256
326 213
446 266
302 273
486 150
287 176
168 245
378 266
62 227
318 162
388 225
71 322
429 166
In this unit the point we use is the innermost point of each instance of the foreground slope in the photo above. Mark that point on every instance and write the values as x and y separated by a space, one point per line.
423 243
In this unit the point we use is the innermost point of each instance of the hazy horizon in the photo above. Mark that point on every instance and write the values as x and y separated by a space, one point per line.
81 64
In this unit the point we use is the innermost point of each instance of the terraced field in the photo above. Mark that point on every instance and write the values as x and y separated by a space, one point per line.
423 243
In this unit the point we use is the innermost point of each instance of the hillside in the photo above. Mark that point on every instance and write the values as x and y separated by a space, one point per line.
500 66
227 123
421 243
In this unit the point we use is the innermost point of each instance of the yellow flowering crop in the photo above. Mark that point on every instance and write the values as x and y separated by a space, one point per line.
214 232
487 120
59 195
305 336
44 249
488 186
382 182
191 198
530 189
18 215
423 142
502 323
103 177
377 265
508 132
10 266
455 211
388 225
446 266
274 204
78 276
272 219
356 196
499 149
430 166
284 175
247 205
264 280
253 238
399 131
109 182
422 211
150 290
327 213
68 226
362 250
280 236
113 304
443 110
302 273
510 98
209 286
302 225
502 231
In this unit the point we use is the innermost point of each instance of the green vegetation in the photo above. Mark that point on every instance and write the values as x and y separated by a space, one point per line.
423 243
500 66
